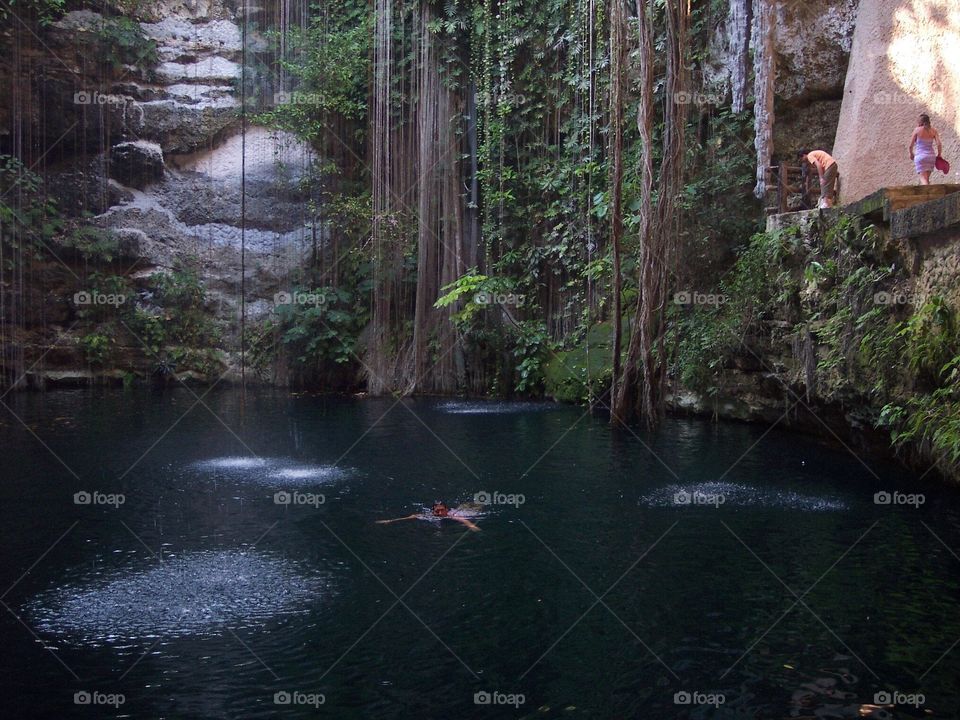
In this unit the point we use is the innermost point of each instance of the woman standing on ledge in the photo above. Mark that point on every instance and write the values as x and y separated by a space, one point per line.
921 149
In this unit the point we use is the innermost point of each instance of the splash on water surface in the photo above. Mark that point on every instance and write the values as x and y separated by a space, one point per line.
723 494
195 594
492 408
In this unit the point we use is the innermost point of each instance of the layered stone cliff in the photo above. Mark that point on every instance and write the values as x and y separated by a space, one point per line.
149 146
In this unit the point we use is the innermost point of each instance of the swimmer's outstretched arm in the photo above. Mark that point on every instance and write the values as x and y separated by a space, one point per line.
466 522
408 517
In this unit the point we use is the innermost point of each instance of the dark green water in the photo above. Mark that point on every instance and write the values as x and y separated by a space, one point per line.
201 597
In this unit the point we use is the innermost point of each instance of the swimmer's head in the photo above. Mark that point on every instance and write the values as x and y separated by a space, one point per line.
439 509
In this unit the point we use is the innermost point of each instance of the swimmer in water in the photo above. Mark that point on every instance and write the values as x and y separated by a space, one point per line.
440 510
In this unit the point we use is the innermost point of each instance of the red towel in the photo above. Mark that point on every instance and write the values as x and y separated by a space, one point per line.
943 166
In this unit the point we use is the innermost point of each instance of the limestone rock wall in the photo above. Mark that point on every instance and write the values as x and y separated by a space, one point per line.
154 152
812 47
905 60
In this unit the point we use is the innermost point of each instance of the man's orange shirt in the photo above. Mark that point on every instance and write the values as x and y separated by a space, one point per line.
821 159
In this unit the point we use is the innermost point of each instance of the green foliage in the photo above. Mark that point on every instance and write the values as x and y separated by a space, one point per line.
14 175
474 293
45 11
581 373
905 361
27 218
324 328
924 417
705 337
94 244
487 314
330 64
173 324
930 340
123 43
96 347
206 362
530 351
181 296
316 328
149 327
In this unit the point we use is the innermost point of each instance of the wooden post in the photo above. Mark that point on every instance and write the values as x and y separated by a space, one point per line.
783 187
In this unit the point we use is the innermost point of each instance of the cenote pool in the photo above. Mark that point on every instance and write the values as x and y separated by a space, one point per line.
221 559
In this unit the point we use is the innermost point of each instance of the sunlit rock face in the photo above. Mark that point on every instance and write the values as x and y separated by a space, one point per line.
179 99
188 9
905 60
195 594
196 210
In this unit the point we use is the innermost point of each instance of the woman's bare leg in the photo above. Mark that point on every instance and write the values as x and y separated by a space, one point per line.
925 178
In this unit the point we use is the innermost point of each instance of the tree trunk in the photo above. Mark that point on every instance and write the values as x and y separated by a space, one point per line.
646 363
617 58
764 76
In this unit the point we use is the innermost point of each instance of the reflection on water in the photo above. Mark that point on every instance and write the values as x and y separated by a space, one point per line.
190 595
255 597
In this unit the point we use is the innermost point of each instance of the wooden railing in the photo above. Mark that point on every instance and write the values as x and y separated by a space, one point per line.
784 180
